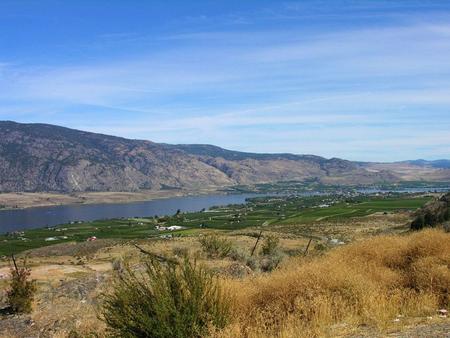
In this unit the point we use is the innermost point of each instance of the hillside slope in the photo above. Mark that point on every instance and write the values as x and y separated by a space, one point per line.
433 213
42 157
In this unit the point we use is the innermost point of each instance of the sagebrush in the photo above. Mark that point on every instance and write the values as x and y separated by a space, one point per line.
21 293
165 300
270 245
215 246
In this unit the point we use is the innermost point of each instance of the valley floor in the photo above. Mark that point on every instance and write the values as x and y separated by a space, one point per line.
365 273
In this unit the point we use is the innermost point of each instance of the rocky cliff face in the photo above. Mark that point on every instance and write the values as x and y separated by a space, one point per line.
40 157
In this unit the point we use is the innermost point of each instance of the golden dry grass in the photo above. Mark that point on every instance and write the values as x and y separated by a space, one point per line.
369 282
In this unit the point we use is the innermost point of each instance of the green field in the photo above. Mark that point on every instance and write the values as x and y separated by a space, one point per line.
341 211
256 212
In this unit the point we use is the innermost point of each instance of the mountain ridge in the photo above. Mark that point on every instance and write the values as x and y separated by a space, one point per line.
44 157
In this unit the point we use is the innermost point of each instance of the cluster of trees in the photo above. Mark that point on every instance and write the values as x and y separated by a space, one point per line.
433 213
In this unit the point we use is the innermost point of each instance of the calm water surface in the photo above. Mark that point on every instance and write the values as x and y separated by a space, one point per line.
20 219
11 220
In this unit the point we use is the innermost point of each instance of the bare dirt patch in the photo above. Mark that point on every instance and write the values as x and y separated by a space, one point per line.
29 200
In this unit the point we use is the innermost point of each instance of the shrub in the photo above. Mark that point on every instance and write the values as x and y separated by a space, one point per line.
237 270
430 219
180 251
432 213
215 246
165 301
242 256
117 264
270 245
447 227
238 254
418 223
320 247
252 263
21 293
270 262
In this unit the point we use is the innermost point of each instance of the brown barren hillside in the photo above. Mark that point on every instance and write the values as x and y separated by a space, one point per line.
47 158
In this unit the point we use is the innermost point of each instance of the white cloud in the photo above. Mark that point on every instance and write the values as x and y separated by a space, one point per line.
324 93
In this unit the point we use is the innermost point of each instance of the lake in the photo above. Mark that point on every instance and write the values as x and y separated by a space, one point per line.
20 219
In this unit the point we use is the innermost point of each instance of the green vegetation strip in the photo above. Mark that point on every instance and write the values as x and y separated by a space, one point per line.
257 211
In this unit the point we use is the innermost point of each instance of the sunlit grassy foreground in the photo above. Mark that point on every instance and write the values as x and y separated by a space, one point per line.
368 288
370 282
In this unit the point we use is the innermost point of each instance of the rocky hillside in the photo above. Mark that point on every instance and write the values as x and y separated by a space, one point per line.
41 157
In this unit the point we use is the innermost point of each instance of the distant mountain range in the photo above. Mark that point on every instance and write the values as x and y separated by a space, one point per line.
444 164
43 157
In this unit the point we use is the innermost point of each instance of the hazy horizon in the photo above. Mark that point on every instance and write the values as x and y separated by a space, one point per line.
359 80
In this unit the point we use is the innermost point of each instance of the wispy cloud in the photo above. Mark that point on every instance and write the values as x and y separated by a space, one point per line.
391 52
330 92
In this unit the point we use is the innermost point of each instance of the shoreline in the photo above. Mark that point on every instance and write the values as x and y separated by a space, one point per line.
26 200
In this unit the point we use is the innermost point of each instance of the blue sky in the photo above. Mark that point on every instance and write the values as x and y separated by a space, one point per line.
361 80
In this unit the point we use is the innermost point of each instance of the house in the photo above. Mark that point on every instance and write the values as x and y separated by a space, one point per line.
170 228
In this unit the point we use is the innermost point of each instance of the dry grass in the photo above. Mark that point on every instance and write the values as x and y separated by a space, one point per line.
73 317
370 282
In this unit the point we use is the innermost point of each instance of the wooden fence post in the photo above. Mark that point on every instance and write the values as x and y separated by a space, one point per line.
257 240
307 247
